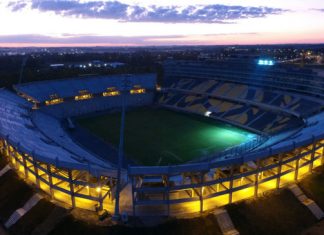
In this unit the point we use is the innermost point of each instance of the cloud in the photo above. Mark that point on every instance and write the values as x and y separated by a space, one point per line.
70 39
316 9
115 10
16 6
77 39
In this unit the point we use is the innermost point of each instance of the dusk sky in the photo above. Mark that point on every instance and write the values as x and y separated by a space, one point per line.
159 22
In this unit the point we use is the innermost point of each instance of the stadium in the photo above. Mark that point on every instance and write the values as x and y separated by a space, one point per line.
208 134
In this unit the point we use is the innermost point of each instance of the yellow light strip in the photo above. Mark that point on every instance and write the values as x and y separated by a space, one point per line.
138 91
111 93
54 101
83 97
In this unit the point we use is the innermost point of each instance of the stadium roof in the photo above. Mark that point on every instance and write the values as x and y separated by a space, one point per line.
41 91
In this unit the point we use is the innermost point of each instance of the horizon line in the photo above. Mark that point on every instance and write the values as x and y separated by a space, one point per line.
89 45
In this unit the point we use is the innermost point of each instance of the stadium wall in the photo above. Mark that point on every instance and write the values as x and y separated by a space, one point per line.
177 190
73 186
202 187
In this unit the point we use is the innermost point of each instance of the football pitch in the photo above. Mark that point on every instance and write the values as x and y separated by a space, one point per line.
163 137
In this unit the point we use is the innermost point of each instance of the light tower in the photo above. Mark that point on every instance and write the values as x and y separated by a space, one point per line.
23 64
126 85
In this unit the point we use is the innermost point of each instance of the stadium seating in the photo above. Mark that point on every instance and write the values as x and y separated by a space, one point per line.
292 102
53 130
268 100
233 112
304 81
18 126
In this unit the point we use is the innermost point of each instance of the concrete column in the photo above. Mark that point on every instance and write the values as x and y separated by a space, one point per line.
279 171
256 182
322 159
231 185
50 180
71 188
133 195
168 195
311 164
201 193
100 195
36 172
12 157
25 166
2 147
88 180
16 159
8 151
297 168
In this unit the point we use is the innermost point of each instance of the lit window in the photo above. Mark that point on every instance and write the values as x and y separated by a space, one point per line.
137 90
54 101
111 91
84 95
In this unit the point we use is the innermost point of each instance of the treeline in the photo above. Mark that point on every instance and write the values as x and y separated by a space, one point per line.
37 66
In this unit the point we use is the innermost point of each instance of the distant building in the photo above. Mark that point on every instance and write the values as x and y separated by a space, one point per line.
90 64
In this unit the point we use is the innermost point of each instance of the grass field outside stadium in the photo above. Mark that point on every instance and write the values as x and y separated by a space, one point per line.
163 137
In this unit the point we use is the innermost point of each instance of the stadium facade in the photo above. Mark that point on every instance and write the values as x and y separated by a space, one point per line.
283 105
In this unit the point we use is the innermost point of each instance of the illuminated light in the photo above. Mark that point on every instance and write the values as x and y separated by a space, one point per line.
191 207
111 91
266 62
138 91
54 101
261 62
268 185
288 177
98 189
84 95
90 65
208 113
216 202
243 194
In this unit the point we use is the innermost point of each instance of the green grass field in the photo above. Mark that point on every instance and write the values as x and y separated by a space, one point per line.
162 137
